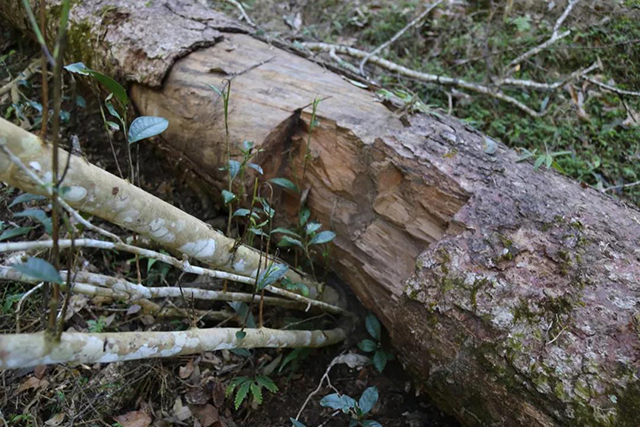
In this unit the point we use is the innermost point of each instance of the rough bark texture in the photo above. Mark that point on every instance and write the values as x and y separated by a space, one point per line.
511 293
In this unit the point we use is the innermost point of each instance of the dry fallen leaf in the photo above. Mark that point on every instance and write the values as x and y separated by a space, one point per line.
186 371
55 420
40 370
206 415
134 419
32 383
181 412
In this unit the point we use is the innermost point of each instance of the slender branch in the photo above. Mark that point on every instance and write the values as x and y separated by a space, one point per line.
611 88
45 76
398 35
49 192
429 78
23 299
548 86
25 350
555 36
182 265
242 12
25 75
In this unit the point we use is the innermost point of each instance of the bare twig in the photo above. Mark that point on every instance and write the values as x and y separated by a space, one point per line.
182 265
22 299
429 78
242 12
555 36
548 86
25 75
398 34
611 88
616 187
49 191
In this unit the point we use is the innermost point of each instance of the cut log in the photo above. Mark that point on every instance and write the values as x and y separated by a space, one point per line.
511 293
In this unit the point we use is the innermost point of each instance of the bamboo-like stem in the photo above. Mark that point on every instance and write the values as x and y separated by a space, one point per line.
26 350
182 265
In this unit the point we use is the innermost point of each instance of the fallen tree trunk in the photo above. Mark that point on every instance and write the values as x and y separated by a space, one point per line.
512 293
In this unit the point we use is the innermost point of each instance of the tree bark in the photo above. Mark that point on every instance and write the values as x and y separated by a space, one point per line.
511 293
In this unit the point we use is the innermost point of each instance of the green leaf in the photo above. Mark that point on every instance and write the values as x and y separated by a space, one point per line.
77 68
26 197
39 269
380 360
312 227
267 383
304 289
242 309
241 212
240 335
370 423
284 182
257 232
323 237
256 392
112 110
549 161
373 326
14 232
539 161
368 399
287 241
111 85
247 146
146 127
241 394
272 274
234 168
38 215
304 216
285 231
241 351
112 125
336 401
367 346
256 167
290 357
296 423
228 196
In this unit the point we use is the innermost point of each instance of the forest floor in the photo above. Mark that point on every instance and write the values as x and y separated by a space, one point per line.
599 129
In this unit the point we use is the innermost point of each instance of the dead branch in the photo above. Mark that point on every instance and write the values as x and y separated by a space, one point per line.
555 36
398 34
611 88
429 78
26 350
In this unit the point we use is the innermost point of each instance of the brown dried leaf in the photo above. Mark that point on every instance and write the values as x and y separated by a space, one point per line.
196 396
40 370
32 383
186 371
218 395
55 420
134 419
207 414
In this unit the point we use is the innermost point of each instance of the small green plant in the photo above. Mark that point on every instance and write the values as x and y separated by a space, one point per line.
245 386
97 326
141 127
547 158
380 355
357 410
